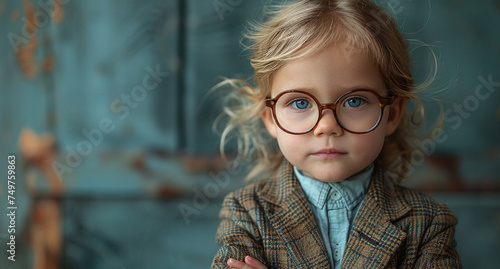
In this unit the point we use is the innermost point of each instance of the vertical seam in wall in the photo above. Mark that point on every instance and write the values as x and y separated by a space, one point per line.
181 105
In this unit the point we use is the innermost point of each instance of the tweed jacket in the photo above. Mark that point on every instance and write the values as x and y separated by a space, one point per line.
395 228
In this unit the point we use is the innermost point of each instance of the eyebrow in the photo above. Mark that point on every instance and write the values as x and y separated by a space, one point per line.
312 91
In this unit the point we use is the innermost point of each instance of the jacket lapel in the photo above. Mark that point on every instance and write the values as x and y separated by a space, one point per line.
291 217
374 239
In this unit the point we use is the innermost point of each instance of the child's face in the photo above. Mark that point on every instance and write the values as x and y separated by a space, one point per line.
329 153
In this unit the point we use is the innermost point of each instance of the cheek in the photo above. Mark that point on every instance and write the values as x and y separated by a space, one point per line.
368 146
379 141
291 145
374 141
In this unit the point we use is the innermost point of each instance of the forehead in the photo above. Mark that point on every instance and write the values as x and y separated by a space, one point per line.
329 72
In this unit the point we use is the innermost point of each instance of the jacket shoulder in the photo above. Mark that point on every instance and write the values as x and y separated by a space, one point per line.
246 196
430 227
423 207
245 204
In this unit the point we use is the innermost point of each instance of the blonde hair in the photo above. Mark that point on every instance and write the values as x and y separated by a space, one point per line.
299 29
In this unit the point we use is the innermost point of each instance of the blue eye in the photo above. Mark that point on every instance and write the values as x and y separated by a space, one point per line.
354 102
301 104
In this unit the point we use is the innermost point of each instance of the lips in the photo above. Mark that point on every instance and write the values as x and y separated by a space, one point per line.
329 153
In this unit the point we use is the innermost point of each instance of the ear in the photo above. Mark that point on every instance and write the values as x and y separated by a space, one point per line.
267 118
396 112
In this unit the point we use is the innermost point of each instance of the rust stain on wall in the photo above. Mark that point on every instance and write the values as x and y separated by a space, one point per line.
26 54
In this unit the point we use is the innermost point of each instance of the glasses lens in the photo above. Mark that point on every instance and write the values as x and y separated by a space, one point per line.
359 111
296 112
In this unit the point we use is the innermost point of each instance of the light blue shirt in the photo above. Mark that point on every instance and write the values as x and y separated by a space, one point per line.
335 205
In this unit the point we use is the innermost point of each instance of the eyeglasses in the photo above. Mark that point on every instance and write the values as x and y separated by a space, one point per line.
357 111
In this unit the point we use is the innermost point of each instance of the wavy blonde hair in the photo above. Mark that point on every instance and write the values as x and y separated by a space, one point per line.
299 29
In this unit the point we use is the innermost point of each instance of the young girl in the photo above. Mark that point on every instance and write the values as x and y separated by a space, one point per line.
333 79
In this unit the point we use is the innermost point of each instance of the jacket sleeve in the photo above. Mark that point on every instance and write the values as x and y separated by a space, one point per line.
438 251
238 234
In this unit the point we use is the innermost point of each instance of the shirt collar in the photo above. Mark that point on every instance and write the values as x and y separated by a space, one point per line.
351 189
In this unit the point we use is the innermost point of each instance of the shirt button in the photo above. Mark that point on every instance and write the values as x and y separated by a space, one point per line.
336 255
335 195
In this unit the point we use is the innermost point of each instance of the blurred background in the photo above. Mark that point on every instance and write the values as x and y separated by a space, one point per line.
106 113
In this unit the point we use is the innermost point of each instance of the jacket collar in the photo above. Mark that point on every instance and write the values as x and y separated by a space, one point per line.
373 237
294 221
283 187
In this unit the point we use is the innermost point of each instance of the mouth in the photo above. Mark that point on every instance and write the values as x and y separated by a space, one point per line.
329 153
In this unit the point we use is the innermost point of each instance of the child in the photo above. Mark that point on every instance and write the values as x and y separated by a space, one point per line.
333 79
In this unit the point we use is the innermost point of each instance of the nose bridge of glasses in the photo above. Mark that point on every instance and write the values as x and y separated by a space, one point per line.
331 106
331 121
324 109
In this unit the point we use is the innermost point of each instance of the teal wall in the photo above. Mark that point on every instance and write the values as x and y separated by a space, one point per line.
122 199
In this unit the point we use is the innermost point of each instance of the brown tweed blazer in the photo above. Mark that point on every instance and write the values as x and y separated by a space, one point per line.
395 228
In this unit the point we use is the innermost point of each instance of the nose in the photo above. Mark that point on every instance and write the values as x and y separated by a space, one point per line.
328 124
